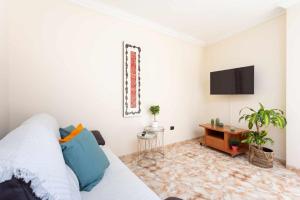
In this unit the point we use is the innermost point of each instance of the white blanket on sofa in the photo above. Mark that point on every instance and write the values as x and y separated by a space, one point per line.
32 152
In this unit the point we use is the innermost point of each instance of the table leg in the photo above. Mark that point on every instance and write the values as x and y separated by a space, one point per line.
163 143
139 150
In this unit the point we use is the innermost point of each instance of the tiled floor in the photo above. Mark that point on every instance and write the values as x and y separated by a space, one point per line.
190 171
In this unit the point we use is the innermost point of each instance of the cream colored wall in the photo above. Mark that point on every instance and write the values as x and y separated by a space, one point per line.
293 82
3 70
264 47
67 60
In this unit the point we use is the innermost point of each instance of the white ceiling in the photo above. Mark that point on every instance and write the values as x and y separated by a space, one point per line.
205 21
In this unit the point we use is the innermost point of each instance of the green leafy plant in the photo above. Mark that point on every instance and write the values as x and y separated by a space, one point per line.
259 120
154 110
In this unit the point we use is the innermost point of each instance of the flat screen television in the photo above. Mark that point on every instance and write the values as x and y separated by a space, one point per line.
232 81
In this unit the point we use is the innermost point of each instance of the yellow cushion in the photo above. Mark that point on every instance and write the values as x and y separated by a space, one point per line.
75 132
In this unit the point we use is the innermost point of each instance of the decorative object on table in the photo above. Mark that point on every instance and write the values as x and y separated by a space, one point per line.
261 119
154 111
232 128
221 125
217 121
212 122
132 80
234 144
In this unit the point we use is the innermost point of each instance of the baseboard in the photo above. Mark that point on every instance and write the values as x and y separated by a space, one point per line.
180 143
294 169
281 161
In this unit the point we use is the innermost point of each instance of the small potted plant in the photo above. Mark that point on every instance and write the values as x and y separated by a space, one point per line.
154 111
234 144
219 123
212 122
259 120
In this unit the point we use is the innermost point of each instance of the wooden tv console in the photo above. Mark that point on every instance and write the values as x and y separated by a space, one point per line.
219 137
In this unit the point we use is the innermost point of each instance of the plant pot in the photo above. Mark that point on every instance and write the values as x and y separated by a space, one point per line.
262 158
154 124
235 149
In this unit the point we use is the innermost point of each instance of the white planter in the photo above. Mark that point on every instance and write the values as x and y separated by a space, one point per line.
154 124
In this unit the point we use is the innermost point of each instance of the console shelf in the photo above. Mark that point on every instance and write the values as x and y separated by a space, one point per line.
219 137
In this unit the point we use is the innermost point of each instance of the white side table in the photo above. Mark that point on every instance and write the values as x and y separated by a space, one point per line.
160 132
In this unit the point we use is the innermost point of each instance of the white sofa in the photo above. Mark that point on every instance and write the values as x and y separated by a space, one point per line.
118 183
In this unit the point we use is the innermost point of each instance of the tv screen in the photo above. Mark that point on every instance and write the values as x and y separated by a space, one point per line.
233 81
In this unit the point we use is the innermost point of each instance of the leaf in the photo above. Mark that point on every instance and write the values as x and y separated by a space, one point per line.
244 141
268 140
241 118
253 119
251 109
285 122
263 134
281 112
281 122
246 108
247 117
261 106
250 125
266 118
241 111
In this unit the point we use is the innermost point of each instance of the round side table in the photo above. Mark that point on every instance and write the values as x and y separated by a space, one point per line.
146 146
160 134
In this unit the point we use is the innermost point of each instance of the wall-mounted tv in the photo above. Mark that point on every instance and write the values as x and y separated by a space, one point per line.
232 81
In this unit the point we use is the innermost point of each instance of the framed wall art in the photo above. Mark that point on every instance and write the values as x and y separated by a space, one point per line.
131 80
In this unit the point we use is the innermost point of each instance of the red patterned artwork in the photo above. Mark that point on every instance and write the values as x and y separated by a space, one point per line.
133 79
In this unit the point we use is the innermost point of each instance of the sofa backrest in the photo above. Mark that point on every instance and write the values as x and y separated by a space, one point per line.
32 152
45 120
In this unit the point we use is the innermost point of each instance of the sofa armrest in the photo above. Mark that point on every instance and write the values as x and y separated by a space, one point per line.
98 137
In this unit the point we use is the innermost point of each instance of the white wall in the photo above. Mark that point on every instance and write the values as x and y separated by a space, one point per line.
293 82
3 70
264 47
67 60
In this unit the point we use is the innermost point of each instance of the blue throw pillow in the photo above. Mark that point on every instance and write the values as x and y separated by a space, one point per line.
64 132
88 161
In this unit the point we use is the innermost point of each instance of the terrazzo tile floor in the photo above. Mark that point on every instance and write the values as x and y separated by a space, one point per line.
190 171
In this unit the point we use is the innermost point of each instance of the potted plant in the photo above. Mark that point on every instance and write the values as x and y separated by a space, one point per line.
219 123
259 120
154 111
234 144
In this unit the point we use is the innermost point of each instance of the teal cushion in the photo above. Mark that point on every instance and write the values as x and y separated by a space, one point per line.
88 161
64 132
